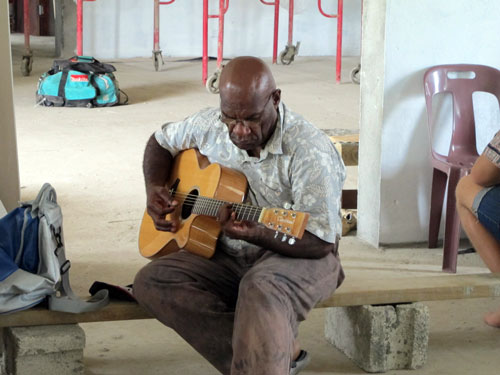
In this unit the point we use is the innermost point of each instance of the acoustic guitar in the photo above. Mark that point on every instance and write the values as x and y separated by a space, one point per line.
201 188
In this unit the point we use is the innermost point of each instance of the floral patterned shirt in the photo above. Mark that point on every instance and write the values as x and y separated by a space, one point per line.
299 165
492 150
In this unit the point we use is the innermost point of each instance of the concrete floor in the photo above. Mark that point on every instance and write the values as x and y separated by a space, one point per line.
93 159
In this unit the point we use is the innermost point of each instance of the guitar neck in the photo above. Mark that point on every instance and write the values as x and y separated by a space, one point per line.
291 223
210 207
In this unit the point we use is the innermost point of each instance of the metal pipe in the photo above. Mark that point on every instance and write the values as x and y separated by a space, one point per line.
276 24
340 12
276 4
220 43
204 59
323 13
339 16
27 30
79 27
156 33
290 22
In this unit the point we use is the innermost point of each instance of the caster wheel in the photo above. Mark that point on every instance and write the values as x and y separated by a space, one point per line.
157 57
26 65
212 84
355 74
288 54
156 63
286 58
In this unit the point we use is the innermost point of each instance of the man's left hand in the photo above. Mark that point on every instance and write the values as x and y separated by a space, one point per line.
233 228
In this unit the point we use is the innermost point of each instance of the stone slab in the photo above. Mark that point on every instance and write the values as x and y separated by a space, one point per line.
380 338
55 349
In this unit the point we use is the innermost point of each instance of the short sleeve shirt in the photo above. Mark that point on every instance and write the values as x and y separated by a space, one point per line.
298 165
492 150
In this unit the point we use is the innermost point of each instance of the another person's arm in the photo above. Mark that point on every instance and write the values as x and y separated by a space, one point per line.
486 170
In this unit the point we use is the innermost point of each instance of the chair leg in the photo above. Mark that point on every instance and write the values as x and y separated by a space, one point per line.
452 229
437 196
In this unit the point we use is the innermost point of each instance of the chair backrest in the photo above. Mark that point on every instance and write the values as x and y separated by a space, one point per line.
461 81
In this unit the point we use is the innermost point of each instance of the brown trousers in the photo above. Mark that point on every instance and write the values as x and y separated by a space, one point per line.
240 313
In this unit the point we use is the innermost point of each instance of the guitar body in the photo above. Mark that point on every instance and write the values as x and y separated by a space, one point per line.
194 176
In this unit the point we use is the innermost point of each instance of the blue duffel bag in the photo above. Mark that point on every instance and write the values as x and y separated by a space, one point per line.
80 81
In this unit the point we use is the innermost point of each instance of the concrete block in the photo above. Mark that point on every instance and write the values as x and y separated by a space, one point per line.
55 350
380 338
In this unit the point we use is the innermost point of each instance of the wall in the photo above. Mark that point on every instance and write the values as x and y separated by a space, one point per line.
9 171
419 34
124 28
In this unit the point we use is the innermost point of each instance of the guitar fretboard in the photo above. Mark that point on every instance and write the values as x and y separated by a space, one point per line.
210 207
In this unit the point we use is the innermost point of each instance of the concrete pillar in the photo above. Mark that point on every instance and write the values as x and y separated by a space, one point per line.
54 350
69 28
371 116
380 338
9 170
58 27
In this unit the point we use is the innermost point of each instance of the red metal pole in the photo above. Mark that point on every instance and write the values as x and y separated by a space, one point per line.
205 42
339 16
79 27
220 43
156 34
276 22
26 10
340 13
290 22
276 4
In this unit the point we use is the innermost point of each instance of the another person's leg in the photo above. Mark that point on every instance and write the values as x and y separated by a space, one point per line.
274 296
196 297
474 201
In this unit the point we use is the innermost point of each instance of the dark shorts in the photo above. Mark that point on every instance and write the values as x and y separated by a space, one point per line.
487 209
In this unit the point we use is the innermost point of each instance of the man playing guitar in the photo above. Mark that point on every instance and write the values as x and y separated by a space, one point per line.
240 309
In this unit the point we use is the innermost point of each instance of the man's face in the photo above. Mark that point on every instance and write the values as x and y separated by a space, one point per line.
250 123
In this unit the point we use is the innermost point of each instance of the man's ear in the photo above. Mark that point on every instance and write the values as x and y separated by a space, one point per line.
276 97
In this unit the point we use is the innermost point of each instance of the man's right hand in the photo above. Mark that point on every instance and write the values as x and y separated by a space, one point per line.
159 204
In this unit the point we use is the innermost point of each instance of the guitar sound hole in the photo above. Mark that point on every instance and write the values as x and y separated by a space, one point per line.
188 205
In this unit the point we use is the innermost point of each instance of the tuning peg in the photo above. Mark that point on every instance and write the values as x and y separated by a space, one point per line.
283 239
276 234
291 240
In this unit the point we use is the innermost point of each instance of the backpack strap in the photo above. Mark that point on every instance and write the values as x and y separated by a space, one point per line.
65 299
45 204
3 211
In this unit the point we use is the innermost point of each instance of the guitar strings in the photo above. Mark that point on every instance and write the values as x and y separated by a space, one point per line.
212 203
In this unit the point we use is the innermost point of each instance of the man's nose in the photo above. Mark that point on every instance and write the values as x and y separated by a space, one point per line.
240 129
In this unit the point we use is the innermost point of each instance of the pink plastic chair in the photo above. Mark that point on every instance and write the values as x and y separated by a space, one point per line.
461 81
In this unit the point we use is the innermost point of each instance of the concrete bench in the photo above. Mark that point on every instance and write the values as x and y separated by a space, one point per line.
378 323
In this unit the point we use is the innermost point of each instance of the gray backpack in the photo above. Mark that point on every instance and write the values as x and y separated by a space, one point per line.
33 265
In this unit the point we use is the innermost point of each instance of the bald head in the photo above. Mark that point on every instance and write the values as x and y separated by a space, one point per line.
246 79
249 102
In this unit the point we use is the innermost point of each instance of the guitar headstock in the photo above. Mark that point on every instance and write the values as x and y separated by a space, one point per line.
291 223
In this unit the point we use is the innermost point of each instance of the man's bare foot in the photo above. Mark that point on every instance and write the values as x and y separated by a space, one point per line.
493 318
